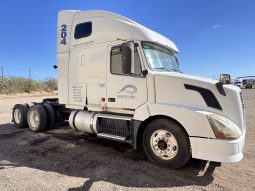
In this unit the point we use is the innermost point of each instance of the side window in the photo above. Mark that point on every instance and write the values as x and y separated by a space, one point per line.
116 62
83 30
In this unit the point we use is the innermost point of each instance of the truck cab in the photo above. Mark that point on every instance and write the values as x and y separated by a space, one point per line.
121 81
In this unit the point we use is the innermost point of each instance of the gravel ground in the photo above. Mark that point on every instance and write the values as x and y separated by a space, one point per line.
62 159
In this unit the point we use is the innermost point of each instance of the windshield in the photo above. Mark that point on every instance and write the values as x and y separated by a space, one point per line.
160 58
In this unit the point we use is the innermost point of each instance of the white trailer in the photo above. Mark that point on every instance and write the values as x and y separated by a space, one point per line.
121 81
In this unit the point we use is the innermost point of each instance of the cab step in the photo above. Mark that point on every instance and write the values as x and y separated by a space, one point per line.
113 137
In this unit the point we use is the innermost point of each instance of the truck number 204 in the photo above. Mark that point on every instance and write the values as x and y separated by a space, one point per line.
63 34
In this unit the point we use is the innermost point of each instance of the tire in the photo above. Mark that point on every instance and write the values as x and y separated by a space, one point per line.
166 144
19 116
51 115
37 118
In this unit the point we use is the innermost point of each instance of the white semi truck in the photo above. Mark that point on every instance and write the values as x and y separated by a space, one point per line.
121 81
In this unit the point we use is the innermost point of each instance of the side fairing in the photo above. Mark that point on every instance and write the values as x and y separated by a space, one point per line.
65 19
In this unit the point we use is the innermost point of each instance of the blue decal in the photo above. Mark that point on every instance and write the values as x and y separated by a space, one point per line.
63 34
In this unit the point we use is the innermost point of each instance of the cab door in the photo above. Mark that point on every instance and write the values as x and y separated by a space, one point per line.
125 90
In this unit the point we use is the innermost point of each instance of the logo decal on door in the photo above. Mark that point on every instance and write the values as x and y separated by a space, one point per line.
127 92
129 89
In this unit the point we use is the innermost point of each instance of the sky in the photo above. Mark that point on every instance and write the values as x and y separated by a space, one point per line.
213 36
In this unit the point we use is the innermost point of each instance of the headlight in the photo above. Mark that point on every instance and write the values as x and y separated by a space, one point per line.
223 127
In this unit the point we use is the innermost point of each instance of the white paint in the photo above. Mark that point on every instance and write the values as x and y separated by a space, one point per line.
85 63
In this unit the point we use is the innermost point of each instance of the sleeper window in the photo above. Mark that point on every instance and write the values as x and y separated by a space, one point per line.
83 30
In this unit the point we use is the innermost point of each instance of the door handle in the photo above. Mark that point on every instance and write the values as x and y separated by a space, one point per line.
111 99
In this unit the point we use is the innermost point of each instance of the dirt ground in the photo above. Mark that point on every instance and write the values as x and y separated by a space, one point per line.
62 159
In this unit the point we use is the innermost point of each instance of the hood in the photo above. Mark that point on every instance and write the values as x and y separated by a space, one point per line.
175 88
199 94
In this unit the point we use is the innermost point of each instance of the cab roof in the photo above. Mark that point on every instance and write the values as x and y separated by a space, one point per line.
117 26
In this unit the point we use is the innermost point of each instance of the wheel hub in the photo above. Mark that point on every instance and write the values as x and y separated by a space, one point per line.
17 116
34 119
164 144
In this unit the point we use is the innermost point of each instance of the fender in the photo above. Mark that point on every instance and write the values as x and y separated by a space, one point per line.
188 117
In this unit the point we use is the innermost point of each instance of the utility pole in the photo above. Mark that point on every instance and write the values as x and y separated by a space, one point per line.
29 73
2 81
2 72
29 81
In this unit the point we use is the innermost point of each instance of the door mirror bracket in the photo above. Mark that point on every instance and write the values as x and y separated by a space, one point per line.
145 72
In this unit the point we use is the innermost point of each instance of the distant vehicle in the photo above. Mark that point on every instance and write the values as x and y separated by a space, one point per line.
238 83
121 81
247 83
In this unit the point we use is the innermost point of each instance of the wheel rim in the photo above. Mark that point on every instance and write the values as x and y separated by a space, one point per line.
164 144
17 116
34 119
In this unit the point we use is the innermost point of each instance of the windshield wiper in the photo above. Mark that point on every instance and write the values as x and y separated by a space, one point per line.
161 68
175 70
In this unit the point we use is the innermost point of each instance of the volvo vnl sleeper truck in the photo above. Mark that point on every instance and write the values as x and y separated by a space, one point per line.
121 81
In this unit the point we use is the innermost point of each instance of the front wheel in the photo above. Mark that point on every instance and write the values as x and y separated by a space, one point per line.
166 143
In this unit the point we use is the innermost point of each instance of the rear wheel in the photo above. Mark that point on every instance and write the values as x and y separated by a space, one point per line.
37 118
166 143
19 116
51 115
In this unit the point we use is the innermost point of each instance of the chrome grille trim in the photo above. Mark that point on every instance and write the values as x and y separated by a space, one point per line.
242 102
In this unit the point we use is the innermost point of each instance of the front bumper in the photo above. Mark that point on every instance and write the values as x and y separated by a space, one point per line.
217 150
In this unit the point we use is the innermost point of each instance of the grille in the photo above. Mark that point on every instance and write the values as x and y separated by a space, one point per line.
242 102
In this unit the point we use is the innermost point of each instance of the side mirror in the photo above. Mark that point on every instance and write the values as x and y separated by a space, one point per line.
225 79
126 58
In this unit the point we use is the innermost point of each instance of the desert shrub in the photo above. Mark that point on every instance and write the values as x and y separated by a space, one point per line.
14 85
49 85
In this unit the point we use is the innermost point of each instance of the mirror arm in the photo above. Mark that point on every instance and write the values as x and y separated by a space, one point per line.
145 72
